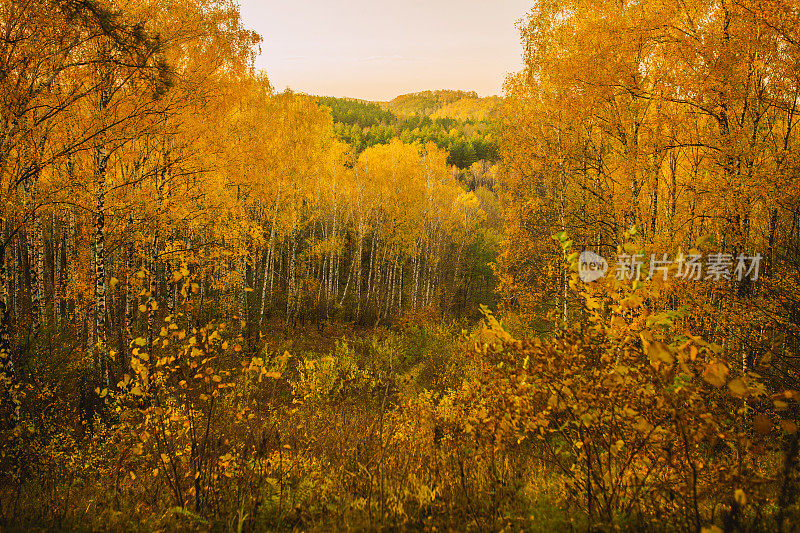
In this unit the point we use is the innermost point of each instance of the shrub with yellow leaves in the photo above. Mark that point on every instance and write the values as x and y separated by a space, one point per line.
646 423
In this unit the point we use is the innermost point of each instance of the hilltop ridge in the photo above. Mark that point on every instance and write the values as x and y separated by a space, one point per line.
460 122
460 105
441 103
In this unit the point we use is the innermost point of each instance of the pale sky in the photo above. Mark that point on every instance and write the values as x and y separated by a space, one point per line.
378 49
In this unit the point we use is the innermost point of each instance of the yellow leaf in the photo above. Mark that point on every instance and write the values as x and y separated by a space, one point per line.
593 303
643 425
715 373
738 387
693 352
658 351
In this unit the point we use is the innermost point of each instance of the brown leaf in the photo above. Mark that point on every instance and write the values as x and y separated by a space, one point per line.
762 424
658 351
715 373
738 387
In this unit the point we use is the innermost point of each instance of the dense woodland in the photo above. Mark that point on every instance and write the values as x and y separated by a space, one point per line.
228 308
460 123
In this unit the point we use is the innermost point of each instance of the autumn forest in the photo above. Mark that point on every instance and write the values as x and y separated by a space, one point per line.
574 306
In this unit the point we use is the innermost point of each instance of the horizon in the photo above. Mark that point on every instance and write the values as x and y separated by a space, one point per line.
389 100
350 50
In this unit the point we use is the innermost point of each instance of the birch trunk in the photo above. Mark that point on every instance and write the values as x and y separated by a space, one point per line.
99 257
7 370
330 293
57 241
33 256
357 264
153 291
291 279
241 267
16 263
270 268
69 259
39 267
417 266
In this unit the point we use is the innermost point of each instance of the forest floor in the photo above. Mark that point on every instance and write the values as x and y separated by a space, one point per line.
333 472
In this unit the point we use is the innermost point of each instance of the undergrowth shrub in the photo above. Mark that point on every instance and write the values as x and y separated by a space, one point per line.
624 420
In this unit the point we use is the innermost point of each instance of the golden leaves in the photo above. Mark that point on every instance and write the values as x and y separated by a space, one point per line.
715 373
658 351
643 426
738 387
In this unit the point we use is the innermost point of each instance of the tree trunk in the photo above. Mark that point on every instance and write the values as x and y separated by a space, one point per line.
291 293
9 392
33 257
99 261
56 272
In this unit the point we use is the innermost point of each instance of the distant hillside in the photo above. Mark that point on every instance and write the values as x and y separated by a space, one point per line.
426 102
353 111
477 109
460 105
457 121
